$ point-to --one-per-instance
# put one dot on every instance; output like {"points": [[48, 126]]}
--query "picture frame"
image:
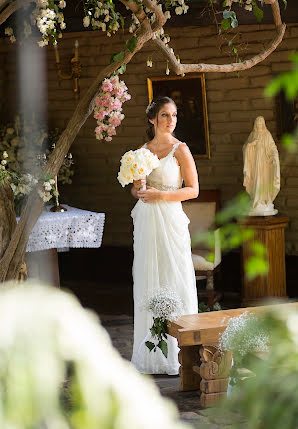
{"points": [[189, 94]]}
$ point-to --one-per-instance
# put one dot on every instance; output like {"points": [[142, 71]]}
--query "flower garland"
{"points": [[108, 107], [48, 19]]}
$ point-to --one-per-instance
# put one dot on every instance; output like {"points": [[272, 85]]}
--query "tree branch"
{"points": [[11, 8], [14, 254], [247, 64]]}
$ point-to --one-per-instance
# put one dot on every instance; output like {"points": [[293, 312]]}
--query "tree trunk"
{"points": [[7, 215]]}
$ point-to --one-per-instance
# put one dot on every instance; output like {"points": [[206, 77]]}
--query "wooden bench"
{"points": [[203, 366]]}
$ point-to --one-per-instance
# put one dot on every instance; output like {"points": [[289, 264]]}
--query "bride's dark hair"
{"points": [[152, 111]]}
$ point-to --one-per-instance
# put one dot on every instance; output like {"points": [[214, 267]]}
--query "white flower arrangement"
{"points": [[21, 143], [165, 306], [244, 335], [48, 19], [136, 165]]}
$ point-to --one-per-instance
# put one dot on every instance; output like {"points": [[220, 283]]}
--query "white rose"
{"points": [[248, 7], [8, 31], [62, 4], [5, 154], [167, 14], [3, 162], [179, 10], [86, 21], [62, 25]]}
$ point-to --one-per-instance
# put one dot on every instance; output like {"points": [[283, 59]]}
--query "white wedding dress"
{"points": [[162, 259]]}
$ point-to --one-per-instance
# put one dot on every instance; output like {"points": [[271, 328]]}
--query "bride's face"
{"points": [[166, 118]]}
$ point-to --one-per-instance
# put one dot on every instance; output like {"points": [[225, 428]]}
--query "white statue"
{"points": [[261, 169]]}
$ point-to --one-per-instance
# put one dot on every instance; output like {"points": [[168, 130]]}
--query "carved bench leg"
{"points": [[214, 371], [188, 357]]}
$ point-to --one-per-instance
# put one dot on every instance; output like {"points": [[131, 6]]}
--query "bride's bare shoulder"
{"points": [[182, 149]]}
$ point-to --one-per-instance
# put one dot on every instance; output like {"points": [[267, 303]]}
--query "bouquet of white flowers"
{"points": [[165, 305], [136, 164]]}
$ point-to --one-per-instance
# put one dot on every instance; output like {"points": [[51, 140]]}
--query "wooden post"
{"points": [[188, 357], [214, 371], [43, 265], [269, 230]]}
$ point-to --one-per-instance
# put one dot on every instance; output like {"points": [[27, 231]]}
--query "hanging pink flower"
{"points": [[113, 93], [107, 85]]}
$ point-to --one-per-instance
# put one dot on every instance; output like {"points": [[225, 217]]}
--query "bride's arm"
{"points": [[189, 175]]}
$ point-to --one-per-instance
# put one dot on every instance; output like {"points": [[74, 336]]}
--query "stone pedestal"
{"points": [[269, 231]]}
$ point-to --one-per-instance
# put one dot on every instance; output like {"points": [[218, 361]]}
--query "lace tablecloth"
{"points": [[73, 228]]}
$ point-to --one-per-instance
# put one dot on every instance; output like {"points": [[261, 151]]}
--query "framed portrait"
{"points": [[189, 94]]}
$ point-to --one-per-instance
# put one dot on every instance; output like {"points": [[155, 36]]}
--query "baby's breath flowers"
{"points": [[164, 305], [244, 336]]}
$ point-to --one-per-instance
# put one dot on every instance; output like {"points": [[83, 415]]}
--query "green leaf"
{"points": [[163, 347], [234, 23], [122, 69], [228, 14], [118, 57], [257, 12], [255, 266], [153, 331], [149, 345], [121, 21], [225, 23], [131, 44]]}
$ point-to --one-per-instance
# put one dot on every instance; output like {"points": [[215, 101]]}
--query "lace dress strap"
{"points": [[175, 147]]}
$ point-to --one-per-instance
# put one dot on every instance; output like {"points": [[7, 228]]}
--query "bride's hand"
{"points": [[139, 183], [150, 195]]}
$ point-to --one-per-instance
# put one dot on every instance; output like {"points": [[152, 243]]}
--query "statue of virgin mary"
{"points": [[261, 169]]}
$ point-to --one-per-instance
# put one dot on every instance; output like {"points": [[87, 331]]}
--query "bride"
{"points": [[162, 250]]}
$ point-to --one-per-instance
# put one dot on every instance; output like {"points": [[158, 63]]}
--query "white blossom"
{"points": [[62, 4], [86, 21], [248, 7], [165, 304], [8, 31], [167, 14]]}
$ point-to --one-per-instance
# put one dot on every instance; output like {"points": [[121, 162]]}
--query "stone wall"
{"points": [[233, 101]]}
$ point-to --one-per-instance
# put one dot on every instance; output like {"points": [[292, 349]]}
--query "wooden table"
{"points": [[203, 366]]}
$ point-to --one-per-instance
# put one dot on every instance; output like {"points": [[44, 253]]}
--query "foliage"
{"points": [[25, 142], [232, 234], [244, 336], [287, 82], [268, 398], [203, 308], [60, 371]]}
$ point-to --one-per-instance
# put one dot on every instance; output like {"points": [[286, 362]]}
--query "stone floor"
{"points": [[120, 329]]}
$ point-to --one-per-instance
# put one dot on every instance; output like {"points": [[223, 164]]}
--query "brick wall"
{"points": [[233, 104]]}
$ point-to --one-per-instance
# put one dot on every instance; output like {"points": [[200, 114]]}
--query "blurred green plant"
{"points": [[287, 82], [232, 234], [58, 369], [267, 399]]}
